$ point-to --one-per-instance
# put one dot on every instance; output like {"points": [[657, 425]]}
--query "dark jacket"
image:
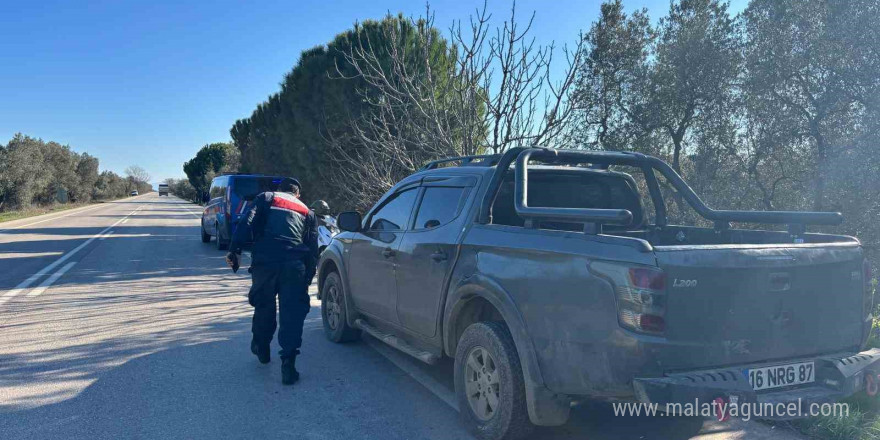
{"points": [[282, 227]]}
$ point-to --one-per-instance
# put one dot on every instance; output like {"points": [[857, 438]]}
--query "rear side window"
{"points": [[251, 186], [440, 205], [218, 187], [393, 215]]}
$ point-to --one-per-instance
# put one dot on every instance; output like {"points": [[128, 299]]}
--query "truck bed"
{"points": [[677, 236]]}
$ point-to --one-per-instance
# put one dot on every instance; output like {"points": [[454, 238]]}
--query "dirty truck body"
{"points": [[601, 297]]}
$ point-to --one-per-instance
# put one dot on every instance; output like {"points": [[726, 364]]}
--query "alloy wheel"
{"points": [[482, 384], [333, 308]]}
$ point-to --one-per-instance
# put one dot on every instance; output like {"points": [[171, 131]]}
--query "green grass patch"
{"points": [[863, 420], [39, 210]]}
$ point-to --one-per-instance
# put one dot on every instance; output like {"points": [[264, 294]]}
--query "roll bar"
{"points": [[594, 218], [464, 160]]}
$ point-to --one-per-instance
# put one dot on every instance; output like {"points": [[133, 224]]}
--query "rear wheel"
{"points": [[221, 245], [489, 383], [333, 311], [206, 237]]}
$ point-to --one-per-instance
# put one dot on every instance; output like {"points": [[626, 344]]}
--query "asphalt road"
{"points": [[117, 322]]}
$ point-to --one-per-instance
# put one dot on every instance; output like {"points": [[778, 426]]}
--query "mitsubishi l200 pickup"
{"points": [[552, 276]]}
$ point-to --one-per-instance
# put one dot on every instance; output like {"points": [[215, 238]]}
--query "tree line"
{"points": [[775, 108], [36, 172], [373, 105]]}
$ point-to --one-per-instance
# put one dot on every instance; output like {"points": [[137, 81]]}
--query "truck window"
{"points": [[649, 211], [440, 205], [570, 189], [393, 215]]}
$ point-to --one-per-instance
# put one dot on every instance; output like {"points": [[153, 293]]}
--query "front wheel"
{"points": [[489, 383], [206, 237], [221, 245], [333, 311]]}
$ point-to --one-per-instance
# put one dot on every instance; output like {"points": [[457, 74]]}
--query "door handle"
{"points": [[388, 253], [438, 256], [780, 282]]}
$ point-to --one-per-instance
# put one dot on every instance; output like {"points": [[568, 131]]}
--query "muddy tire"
{"points": [[333, 311], [489, 383]]}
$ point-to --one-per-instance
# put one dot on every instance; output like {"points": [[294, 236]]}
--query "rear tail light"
{"points": [[645, 278], [640, 294], [228, 201]]}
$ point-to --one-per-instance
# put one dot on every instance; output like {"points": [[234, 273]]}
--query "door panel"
{"points": [[214, 209], [425, 257], [373, 256], [371, 273]]}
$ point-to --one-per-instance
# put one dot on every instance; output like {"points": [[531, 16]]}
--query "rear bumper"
{"points": [[836, 377]]}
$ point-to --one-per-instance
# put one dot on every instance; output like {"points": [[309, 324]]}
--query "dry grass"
{"points": [[40, 210]]}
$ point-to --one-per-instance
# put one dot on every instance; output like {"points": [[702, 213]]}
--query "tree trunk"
{"points": [[676, 153], [821, 165]]}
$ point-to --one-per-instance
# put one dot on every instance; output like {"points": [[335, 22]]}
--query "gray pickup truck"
{"points": [[552, 276]]}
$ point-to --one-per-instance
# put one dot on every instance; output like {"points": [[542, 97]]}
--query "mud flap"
{"points": [[545, 407]]}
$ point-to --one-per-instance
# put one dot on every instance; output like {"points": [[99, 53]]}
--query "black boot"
{"points": [[262, 352], [289, 375]]}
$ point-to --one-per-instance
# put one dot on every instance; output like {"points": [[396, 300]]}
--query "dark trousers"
{"points": [[287, 281]]}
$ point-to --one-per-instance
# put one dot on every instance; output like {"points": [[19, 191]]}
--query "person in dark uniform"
{"points": [[283, 261]]}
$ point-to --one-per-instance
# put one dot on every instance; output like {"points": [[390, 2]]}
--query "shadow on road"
{"points": [[149, 339], [204, 383]]}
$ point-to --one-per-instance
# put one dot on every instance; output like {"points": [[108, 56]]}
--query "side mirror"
{"points": [[320, 207], [349, 221], [206, 197]]}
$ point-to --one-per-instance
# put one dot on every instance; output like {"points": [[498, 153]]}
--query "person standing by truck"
{"points": [[284, 257]]}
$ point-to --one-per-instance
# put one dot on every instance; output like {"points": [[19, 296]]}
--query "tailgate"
{"points": [[734, 305]]}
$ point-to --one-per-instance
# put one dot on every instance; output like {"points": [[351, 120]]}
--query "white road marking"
{"points": [[126, 220], [194, 214], [51, 280], [28, 254], [418, 375], [31, 279], [106, 235]]}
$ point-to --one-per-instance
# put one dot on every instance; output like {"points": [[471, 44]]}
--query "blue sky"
{"points": [[150, 82]]}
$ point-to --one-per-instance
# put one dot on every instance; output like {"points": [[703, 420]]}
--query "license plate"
{"points": [[777, 376]]}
